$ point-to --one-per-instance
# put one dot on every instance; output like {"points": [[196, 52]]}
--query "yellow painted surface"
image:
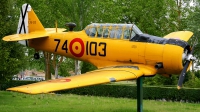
{"points": [[32, 35], [172, 59], [34, 23], [154, 52], [105, 75], [102, 53], [182, 35], [17, 37]]}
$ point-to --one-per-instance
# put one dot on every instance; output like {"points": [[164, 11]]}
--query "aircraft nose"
{"points": [[186, 47]]}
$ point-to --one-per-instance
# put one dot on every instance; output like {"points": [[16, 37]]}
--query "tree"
{"points": [[12, 54], [67, 67], [87, 67], [56, 64], [47, 60], [193, 22]]}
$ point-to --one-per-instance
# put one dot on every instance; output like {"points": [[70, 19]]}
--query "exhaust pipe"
{"points": [[159, 65]]}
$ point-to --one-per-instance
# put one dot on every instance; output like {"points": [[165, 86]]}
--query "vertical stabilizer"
{"points": [[28, 22]]}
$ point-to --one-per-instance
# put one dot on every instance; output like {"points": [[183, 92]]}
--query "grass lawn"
{"points": [[19, 102]]}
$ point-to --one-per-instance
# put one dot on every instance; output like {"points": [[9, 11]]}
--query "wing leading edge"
{"points": [[33, 35], [100, 76], [18, 37]]}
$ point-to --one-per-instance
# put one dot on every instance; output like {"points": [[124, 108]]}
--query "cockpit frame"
{"points": [[112, 31], [128, 32]]}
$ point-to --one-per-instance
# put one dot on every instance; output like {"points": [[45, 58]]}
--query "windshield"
{"points": [[136, 29]]}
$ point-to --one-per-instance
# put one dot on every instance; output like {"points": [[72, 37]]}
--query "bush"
{"points": [[193, 83], [151, 93], [127, 91], [14, 83], [158, 80], [192, 79]]}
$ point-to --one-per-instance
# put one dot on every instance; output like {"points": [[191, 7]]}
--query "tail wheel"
{"points": [[36, 56]]}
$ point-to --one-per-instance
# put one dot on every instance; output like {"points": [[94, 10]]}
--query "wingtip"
{"points": [[178, 87], [10, 89], [9, 38], [5, 39]]}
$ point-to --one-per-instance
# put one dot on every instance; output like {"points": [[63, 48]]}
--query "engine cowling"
{"points": [[174, 56]]}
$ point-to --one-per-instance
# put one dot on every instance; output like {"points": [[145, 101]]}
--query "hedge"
{"points": [[14, 83], [127, 91], [151, 93]]}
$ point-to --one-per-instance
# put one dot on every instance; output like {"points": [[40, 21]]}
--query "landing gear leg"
{"points": [[139, 94], [36, 55]]}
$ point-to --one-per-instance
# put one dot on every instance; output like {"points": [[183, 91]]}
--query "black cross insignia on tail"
{"points": [[23, 17]]}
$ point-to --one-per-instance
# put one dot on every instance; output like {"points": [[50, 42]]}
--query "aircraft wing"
{"points": [[182, 35], [105, 75], [32, 35]]}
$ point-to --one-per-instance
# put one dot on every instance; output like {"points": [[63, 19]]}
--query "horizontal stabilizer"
{"points": [[182, 35], [55, 30], [18, 37], [33, 35]]}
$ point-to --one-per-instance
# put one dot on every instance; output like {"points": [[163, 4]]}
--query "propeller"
{"points": [[188, 58]]}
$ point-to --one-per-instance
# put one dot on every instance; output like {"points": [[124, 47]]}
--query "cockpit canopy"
{"points": [[121, 31], [114, 31]]}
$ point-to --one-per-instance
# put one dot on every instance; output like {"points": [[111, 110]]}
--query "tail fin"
{"points": [[30, 27], [28, 21]]}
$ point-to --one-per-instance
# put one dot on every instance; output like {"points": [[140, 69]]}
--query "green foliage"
{"points": [[14, 83], [151, 93], [192, 79], [11, 60], [152, 17], [37, 64], [193, 21], [87, 67], [12, 56], [193, 83], [197, 73], [158, 80], [66, 67]]}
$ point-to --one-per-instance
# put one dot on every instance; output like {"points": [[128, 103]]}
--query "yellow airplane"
{"points": [[120, 51]]}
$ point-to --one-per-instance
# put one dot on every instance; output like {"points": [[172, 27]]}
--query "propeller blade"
{"points": [[183, 72], [182, 76]]}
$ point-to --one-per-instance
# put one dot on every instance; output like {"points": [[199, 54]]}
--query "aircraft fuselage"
{"points": [[114, 51]]}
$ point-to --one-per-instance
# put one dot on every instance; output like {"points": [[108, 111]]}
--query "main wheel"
{"points": [[36, 56]]}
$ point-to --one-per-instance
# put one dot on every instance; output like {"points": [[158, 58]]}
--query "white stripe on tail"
{"points": [[28, 22]]}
